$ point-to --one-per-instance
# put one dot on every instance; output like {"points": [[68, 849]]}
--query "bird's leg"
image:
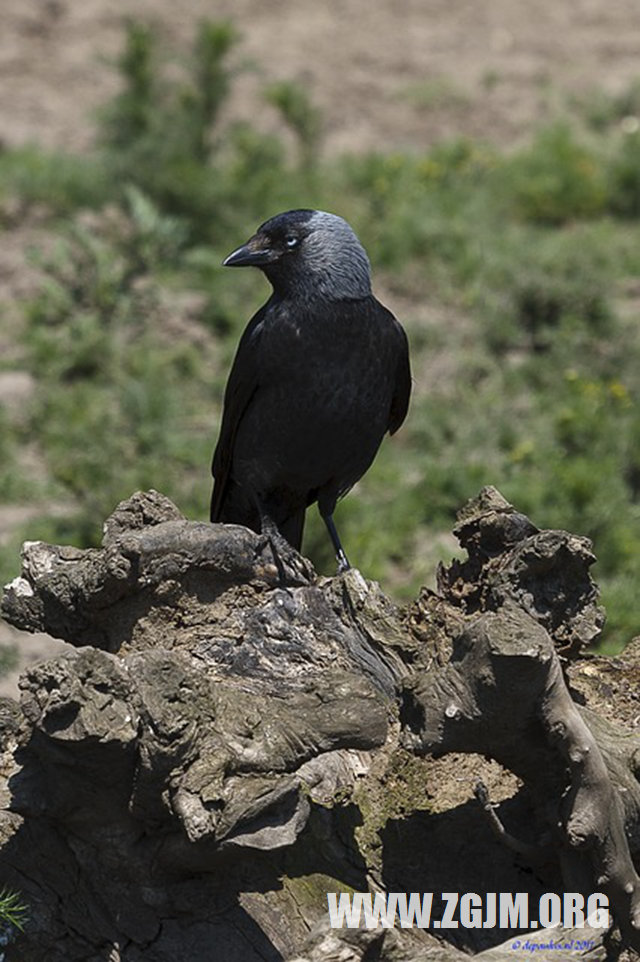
{"points": [[341, 558]]}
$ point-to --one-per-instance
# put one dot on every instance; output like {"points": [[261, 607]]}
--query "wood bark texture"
{"points": [[229, 737]]}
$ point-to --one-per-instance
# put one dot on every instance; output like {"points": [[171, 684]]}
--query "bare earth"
{"points": [[490, 69], [387, 74]]}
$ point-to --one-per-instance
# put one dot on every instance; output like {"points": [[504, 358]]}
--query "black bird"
{"points": [[320, 375]]}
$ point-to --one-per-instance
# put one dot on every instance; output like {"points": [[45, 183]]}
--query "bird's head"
{"points": [[308, 253]]}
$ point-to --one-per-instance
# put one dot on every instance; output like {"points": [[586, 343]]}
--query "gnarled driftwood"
{"points": [[232, 737]]}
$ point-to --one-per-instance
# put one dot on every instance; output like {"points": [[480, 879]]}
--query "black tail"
{"points": [[234, 507], [237, 507], [292, 529]]}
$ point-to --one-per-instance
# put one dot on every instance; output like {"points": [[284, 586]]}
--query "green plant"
{"points": [[13, 911], [536, 285], [114, 395], [9, 661], [603, 109], [130, 116], [210, 83], [624, 177], [556, 179], [298, 112], [12, 483], [158, 133], [58, 182]]}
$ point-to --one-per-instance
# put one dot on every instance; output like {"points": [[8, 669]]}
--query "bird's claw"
{"points": [[293, 568]]}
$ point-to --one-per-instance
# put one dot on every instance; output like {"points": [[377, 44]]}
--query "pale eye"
{"points": [[291, 241]]}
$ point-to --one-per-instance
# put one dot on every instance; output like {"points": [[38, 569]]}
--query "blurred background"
{"points": [[488, 155]]}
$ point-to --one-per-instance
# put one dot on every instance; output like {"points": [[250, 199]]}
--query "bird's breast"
{"points": [[322, 351], [322, 403]]}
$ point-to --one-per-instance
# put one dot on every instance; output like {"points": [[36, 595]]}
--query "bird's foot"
{"points": [[293, 569], [343, 562]]}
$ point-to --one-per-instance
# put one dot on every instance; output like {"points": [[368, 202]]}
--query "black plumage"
{"points": [[320, 375]]}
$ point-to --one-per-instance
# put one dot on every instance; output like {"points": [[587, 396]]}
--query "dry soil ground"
{"points": [[386, 73]]}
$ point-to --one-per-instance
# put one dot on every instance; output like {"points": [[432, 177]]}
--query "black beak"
{"points": [[254, 253]]}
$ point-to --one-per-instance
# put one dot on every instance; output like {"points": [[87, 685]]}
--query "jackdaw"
{"points": [[320, 375]]}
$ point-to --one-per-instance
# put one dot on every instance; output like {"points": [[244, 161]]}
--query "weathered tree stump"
{"points": [[232, 737]]}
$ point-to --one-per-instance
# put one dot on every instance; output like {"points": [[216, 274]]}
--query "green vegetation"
{"points": [[513, 274], [13, 911], [9, 659]]}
